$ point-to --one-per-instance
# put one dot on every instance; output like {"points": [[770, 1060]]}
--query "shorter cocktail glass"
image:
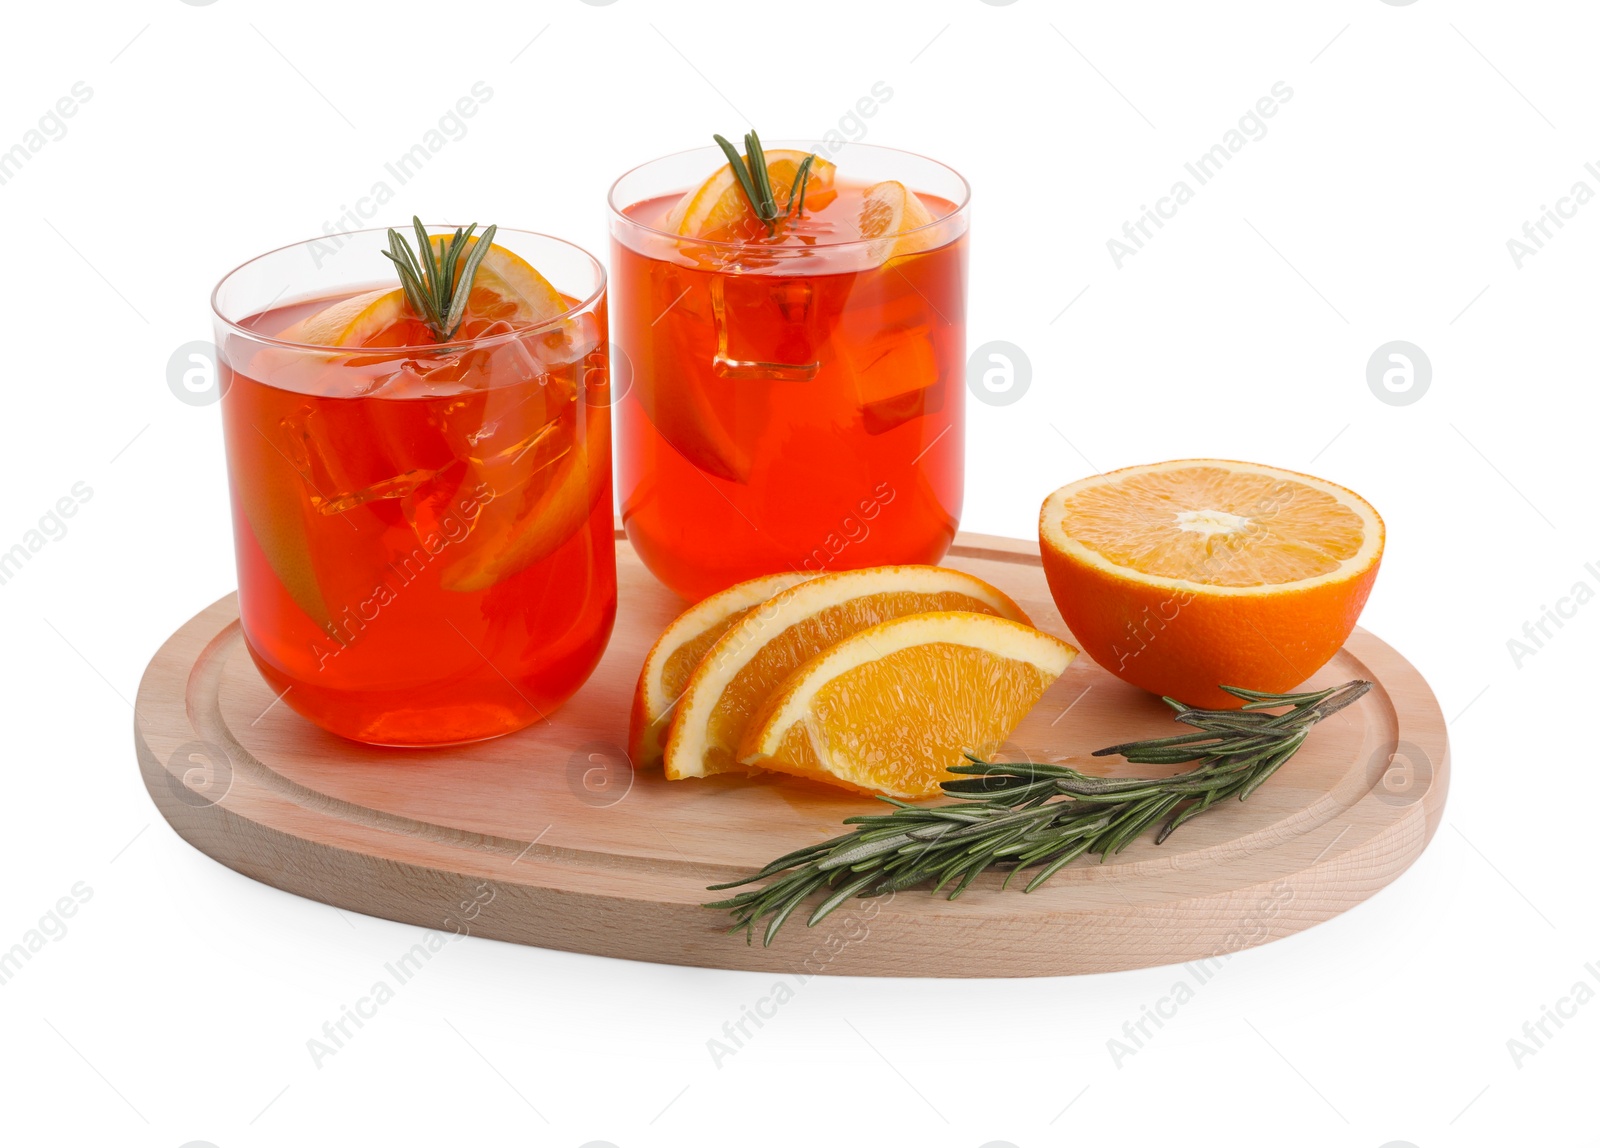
{"points": [[423, 528]]}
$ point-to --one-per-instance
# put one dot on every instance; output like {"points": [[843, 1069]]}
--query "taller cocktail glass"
{"points": [[796, 391], [421, 502]]}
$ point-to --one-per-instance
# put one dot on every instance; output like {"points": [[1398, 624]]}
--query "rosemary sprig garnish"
{"points": [[1021, 815], [429, 276], [750, 170]]}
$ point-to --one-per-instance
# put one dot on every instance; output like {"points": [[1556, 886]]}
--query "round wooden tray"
{"points": [[548, 837]]}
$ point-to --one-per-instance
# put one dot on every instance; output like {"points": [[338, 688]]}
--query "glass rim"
{"points": [[584, 304], [619, 213]]}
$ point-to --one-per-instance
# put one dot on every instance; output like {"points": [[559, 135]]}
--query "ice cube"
{"points": [[406, 430], [678, 292], [764, 328], [331, 445]]}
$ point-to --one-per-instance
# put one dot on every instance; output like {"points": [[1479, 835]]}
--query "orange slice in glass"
{"points": [[505, 290], [354, 322], [892, 708], [276, 503], [892, 216], [718, 209], [513, 533], [754, 657]]}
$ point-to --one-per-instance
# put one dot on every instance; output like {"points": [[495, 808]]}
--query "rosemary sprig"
{"points": [[1022, 815], [437, 294], [750, 170]]}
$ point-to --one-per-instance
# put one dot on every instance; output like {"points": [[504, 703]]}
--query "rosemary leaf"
{"points": [[751, 174], [469, 271], [801, 177], [437, 280]]}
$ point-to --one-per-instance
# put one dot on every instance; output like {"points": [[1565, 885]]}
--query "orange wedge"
{"points": [[678, 651], [892, 708], [718, 209], [1180, 577], [756, 654], [891, 215]]}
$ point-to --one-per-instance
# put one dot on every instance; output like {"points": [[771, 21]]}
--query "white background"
{"points": [[1378, 206]]}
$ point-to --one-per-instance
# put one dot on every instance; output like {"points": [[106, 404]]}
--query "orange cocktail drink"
{"points": [[796, 390]]}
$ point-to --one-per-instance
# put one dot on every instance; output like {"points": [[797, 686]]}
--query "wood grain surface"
{"points": [[548, 837]]}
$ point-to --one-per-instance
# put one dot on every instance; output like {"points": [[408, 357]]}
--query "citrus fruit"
{"points": [[506, 287], [697, 422], [891, 215], [764, 647], [351, 322], [678, 651], [560, 478], [505, 290], [1184, 576], [272, 496], [892, 708], [718, 208]]}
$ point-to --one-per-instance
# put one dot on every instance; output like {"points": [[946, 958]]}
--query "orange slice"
{"points": [[512, 533], [678, 651], [718, 207], [1180, 577], [506, 289], [272, 495], [708, 425], [352, 322], [892, 708], [754, 657], [891, 215]]}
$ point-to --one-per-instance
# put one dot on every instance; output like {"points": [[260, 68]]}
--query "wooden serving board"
{"points": [[548, 837]]}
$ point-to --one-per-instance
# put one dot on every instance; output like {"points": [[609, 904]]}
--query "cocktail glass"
{"points": [[424, 531]]}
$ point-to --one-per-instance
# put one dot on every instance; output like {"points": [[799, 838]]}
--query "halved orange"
{"points": [[892, 708], [756, 654], [678, 651], [718, 208], [1184, 576]]}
